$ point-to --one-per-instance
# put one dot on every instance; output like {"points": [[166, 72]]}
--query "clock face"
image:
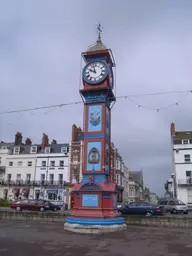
{"points": [[95, 72]]}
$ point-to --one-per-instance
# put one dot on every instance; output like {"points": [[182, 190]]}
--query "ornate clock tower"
{"points": [[95, 198]]}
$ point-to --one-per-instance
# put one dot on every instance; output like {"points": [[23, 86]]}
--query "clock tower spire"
{"points": [[95, 198]]}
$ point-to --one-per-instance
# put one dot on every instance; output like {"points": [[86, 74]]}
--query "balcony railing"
{"points": [[185, 182], [30, 183]]}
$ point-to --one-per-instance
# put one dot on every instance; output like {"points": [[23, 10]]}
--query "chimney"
{"points": [[18, 138], [172, 129], [74, 132], [28, 141], [45, 141], [54, 142]]}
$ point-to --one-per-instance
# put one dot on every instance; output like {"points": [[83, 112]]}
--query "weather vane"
{"points": [[99, 31]]}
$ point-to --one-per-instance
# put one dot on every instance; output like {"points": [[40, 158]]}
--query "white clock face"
{"points": [[95, 72]]}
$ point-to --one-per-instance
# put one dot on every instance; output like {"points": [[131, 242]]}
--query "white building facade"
{"points": [[34, 171], [51, 172], [182, 165]]}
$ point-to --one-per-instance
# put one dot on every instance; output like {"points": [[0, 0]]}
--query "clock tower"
{"points": [[95, 198]]}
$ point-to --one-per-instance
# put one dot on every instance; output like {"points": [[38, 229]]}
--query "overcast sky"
{"points": [[40, 62]]}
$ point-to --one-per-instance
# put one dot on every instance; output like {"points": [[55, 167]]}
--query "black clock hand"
{"points": [[92, 70]]}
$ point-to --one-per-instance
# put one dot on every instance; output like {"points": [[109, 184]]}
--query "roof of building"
{"points": [[179, 135], [26, 149], [183, 135], [137, 176]]}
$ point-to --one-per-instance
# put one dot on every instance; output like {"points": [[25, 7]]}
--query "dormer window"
{"points": [[33, 149], [4, 147], [16, 150], [47, 150], [64, 150], [185, 141]]}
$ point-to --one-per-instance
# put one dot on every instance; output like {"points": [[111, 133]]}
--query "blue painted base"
{"points": [[104, 222]]}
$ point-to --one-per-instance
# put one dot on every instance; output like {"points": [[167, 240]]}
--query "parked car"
{"points": [[141, 208], [174, 206], [34, 205]]}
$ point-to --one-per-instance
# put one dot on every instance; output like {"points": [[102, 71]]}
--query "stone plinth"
{"points": [[94, 226], [93, 229]]}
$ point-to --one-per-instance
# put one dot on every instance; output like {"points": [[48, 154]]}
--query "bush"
{"points": [[4, 203]]}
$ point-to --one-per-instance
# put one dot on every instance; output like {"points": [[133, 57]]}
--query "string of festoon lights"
{"points": [[48, 109]]}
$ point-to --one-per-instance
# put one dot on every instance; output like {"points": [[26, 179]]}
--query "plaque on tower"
{"points": [[90, 200]]}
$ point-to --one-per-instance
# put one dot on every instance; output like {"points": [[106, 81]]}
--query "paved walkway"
{"points": [[34, 238]]}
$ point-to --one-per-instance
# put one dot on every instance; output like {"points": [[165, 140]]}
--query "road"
{"points": [[36, 238]]}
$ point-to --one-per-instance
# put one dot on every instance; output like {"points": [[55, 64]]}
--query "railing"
{"points": [[29, 183], [186, 182]]}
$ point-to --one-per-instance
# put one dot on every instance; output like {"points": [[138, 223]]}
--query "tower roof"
{"points": [[98, 46]]}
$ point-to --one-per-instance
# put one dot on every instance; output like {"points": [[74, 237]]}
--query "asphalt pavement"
{"points": [[36, 238]]}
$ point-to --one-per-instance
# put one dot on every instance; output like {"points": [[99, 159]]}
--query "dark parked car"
{"points": [[34, 205], [141, 208]]}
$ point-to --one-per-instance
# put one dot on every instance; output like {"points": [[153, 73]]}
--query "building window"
{"points": [[16, 150], [187, 158], [28, 177], [10, 163], [189, 177], [64, 150], [51, 178], [29, 163], [19, 163], [117, 178], [43, 163], [9, 177], [185, 141], [42, 177], [61, 163], [33, 149], [118, 165], [60, 179], [52, 164], [47, 150], [131, 192], [18, 178]]}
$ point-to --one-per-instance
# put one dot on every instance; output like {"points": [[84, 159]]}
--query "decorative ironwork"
{"points": [[28, 183]]}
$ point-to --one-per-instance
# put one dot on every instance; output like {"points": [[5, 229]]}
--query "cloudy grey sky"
{"points": [[40, 51]]}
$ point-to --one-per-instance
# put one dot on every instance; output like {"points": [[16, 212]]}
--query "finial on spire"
{"points": [[99, 31]]}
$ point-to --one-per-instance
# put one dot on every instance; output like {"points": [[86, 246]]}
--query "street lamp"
{"points": [[174, 185]]}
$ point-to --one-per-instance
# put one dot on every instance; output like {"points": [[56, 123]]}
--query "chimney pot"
{"points": [[54, 142], [18, 138], [74, 132], [28, 141], [45, 141]]}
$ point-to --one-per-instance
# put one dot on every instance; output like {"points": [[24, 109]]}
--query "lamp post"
{"points": [[174, 185]]}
